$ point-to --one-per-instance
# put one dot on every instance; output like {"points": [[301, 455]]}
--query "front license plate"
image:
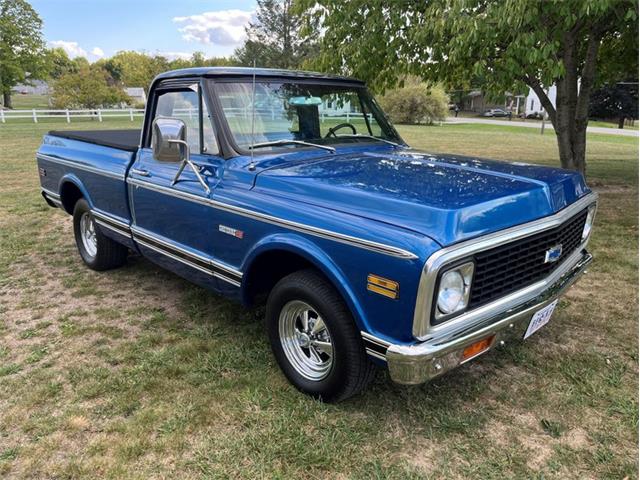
{"points": [[540, 319]]}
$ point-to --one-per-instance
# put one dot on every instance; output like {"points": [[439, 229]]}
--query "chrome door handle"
{"points": [[142, 173]]}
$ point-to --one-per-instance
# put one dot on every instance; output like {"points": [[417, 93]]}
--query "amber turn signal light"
{"points": [[477, 348]]}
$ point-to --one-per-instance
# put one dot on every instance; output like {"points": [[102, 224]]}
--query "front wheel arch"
{"points": [[308, 255]]}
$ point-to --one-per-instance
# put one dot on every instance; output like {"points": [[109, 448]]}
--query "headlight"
{"points": [[586, 231], [453, 289]]}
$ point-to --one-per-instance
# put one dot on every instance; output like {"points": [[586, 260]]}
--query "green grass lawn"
{"points": [[30, 101], [136, 373]]}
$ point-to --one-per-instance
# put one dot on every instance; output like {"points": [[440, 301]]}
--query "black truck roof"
{"points": [[247, 71]]}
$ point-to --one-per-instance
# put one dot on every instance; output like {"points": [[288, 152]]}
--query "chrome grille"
{"points": [[515, 265]]}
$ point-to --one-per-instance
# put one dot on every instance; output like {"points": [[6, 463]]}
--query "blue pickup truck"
{"points": [[294, 189]]}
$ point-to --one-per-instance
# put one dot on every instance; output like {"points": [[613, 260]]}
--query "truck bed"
{"points": [[121, 139]]}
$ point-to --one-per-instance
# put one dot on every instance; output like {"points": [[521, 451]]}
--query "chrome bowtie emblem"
{"points": [[553, 254]]}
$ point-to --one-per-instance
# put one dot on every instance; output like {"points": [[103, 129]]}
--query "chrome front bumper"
{"points": [[420, 362]]}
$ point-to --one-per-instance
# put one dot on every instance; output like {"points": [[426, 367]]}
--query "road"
{"points": [[519, 123]]}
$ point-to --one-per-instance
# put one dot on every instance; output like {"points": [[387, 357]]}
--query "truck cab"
{"points": [[294, 189]]}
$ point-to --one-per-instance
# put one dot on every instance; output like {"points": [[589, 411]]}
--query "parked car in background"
{"points": [[495, 112], [533, 116], [364, 250]]}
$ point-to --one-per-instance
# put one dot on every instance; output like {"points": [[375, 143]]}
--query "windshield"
{"points": [[316, 113]]}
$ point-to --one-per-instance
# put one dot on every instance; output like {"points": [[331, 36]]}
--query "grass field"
{"points": [[30, 101], [136, 373]]}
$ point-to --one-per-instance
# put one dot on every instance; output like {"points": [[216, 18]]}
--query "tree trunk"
{"points": [[7, 100], [570, 114], [621, 121]]}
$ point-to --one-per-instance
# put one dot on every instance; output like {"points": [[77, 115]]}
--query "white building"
{"points": [[137, 94], [533, 104], [35, 87]]}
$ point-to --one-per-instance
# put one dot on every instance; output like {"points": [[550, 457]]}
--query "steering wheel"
{"points": [[333, 130]]}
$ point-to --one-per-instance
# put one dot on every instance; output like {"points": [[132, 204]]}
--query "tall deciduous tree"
{"points": [[59, 63], [22, 49], [274, 39], [134, 69], [571, 43]]}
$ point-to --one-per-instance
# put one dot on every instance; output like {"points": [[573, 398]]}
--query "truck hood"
{"points": [[448, 198]]}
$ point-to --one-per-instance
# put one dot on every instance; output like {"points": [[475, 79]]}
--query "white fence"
{"points": [[278, 113], [131, 113], [97, 113]]}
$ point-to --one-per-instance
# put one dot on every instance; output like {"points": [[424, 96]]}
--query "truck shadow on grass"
{"points": [[230, 344]]}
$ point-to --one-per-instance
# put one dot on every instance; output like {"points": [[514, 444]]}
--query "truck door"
{"points": [[173, 222]]}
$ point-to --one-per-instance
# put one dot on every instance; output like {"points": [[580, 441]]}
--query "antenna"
{"points": [[252, 165]]}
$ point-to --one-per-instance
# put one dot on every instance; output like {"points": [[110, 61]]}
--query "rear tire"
{"points": [[314, 338], [97, 251]]}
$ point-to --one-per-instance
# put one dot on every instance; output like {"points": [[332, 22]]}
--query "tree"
{"points": [[573, 44], [88, 88], [22, 49], [274, 39], [59, 63], [619, 101], [135, 69]]}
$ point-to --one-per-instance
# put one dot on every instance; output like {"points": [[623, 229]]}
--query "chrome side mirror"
{"points": [[169, 144], [169, 140]]}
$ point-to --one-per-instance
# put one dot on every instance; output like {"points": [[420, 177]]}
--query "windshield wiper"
{"points": [[371, 137], [276, 143]]}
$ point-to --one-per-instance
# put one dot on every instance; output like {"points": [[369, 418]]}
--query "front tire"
{"points": [[314, 338], [97, 251]]}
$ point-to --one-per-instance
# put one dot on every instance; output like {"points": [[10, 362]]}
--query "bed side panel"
{"points": [[98, 171]]}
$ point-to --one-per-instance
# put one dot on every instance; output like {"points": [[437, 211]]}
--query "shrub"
{"points": [[416, 103]]}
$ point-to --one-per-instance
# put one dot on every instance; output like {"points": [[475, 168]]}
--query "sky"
{"points": [[100, 28]]}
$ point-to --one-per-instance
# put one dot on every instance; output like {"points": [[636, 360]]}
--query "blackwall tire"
{"points": [[98, 252], [323, 356]]}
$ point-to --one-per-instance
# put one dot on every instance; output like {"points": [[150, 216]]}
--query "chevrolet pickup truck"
{"points": [[294, 189]]}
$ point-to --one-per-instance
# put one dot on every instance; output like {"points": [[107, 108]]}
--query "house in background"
{"points": [[137, 94], [533, 106], [36, 87], [476, 101]]}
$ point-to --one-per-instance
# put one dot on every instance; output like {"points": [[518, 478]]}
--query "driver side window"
{"points": [[184, 105]]}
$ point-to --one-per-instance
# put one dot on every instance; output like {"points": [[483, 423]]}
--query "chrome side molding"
{"points": [[79, 166], [204, 264], [299, 227]]}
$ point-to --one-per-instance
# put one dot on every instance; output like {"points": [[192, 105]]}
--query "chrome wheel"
{"points": [[306, 340], [88, 234]]}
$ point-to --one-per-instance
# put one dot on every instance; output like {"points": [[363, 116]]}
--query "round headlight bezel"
{"points": [[464, 270], [588, 223], [451, 291]]}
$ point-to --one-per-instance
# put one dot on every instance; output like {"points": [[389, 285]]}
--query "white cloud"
{"points": [[223, 27], [175, 55], [72, 48]]}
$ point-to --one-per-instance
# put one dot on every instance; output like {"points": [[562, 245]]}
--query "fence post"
{"points": [[2, 114], [35, 116], [68, 116], [131, 114]]}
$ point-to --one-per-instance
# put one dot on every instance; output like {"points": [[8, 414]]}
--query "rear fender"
{"points": [[73, 179]]}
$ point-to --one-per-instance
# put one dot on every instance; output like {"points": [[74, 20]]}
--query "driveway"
{"points": [[535, 124]]}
